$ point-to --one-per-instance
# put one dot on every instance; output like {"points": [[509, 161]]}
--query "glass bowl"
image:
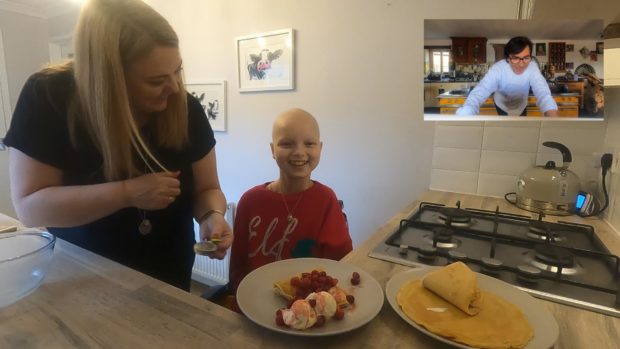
{"points": [[24, 258]]}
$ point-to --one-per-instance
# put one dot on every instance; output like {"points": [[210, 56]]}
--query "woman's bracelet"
{"points": [[208, 214]]}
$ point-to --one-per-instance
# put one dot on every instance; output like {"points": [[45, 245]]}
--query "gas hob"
{"points": [[562, 262]]}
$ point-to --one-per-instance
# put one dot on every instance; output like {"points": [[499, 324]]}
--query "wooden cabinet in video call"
{"points": [[466, 50], [557, 55]]}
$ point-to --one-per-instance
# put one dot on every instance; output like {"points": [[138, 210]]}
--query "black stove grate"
{"points": [[545, 248]]}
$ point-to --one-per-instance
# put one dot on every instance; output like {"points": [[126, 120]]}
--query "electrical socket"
{"points": [[596, 159], [615, 165]]}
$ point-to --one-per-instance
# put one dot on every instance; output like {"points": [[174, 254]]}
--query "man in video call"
{"points": [[510, 80]]}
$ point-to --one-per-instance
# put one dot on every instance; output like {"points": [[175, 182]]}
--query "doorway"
{"points": [[5, 106], [6, 206]]}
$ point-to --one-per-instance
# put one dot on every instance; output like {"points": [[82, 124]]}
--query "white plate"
{"points": [[259, 302], [545, 327]]}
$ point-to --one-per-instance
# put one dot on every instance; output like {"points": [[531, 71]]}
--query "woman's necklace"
{"points": [[145, 226]]}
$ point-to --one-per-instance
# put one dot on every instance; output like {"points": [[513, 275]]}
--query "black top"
{"points": [[39, 128]]}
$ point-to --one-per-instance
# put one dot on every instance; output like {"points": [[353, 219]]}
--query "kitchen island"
{"points": [[87, 301], [450, 101]]}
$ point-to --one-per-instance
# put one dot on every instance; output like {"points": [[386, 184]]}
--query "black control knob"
{"points": [[456, 256], [491, 265], [528, 273], [427, 253]]}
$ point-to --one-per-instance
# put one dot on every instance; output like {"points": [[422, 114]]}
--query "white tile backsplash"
{"points": [[505, 163], [486, 160], [461, 123], [575, 125], [579, 140], [455, 181], [521, 123], [463, 137], [456, 159], [521, 139], [496, 185], [614, 213]]}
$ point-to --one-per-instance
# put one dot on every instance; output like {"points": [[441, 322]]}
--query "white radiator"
{"points": [[213, 271]]}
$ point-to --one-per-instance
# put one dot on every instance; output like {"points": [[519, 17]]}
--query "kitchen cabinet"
{"points": [[568, 106], [466, 50], [427, 95], [574, 86], [449, 105], [477, 48], [459, 50], [437, 88]]}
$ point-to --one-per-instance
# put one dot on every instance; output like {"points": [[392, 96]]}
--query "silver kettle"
{"points": [[549, 189]]}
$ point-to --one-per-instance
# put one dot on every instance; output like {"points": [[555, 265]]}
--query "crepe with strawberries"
{"points": [[301, 285]]}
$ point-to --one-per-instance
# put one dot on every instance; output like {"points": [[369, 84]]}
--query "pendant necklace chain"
{"points": [[289, 217], [145, 226]]}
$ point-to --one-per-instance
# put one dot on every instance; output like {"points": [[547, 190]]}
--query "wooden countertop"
{"points": [[87, 301]]}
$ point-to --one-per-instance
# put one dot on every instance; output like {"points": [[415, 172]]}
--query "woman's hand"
{"points": [[215, 226], [153, 191]]}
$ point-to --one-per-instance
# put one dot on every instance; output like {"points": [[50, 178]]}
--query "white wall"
{"points": [[612, 144], [25, 46], [64, 24], [606, 10], [359, 71]]}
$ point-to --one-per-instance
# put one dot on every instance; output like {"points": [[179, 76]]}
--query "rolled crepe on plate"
{"points": [[457, 284], [498, 325]]}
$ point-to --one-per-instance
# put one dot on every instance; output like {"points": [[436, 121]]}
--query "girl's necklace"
{"points": [[289, 216]]}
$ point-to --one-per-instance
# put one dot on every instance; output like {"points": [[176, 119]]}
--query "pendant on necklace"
{"points": [[289, 218], [145, 227]]}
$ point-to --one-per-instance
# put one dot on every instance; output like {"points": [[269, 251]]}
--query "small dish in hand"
{"points": [[205, 247]]}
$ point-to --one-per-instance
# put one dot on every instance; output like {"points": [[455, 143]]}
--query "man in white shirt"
{"points": [[510, 81]]}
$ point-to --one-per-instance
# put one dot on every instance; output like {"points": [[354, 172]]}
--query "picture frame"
{"points": [[265, 61], [600, 47], [541, 49], [570, 47], [212, 96]]}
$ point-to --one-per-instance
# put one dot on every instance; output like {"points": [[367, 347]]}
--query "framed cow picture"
{"points": [[265, 61], [212, 97]]}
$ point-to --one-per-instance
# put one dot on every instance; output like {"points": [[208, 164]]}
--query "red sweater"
{"points": [[263, 233]]}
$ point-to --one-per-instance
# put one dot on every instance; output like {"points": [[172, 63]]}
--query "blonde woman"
{"points": [[112, 154]]}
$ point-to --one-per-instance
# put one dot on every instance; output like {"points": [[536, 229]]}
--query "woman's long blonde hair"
{"points": [[110, 35]]}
